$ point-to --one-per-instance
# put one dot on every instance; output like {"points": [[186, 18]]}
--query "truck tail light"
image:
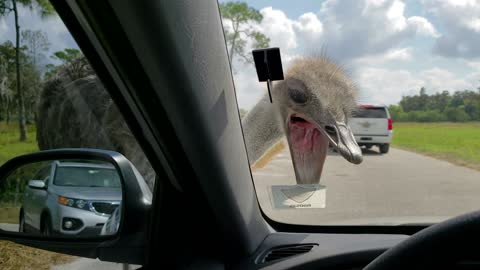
{"points": [[390, 124]]}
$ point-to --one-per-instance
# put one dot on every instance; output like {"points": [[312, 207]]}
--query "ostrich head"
{"points": [[314, 102]]}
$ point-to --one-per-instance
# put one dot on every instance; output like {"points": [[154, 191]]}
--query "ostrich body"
{"points": [[75, 110], [310, 107]]}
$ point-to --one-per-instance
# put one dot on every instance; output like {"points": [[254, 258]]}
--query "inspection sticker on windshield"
{"points": [[298, 196]]}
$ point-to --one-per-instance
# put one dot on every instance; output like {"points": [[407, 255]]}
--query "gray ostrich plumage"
{"points": [[75, 110], [311, 107]]}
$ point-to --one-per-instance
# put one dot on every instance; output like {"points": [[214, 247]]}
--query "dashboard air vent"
{"points": [[283, 252]]}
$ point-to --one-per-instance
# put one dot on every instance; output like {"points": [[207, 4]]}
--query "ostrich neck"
{"points": [[261, 128]]}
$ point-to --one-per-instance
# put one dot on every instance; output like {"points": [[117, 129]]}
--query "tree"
{"points": [[73, 61], [457, 114], [5, 92], [67, 56], [37, 43], [240, 16], [7, 78], [29, 74], [7, 6]]}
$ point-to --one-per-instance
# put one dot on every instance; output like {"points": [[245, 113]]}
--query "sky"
{"points": [[51, 26], [390, 48]]}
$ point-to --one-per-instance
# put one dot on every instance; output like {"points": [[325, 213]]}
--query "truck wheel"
{"points": [[384, 148]]}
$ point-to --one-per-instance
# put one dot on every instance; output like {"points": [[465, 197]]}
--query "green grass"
{"points": [[15, 256], [458, 143], [10, 146], [9, 214]]}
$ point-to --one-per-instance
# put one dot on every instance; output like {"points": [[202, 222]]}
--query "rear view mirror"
{"points": [[75, 194], [38, 184], [72, 198]]}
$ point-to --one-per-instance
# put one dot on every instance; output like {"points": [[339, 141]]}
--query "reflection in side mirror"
{"points": [[62, 198], [38, 184]]}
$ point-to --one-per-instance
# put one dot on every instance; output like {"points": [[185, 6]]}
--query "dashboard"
{"points": [[329, 251]]}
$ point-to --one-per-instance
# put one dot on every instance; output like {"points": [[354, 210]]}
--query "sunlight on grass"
{"points": [[10, 146], [458, 143]]}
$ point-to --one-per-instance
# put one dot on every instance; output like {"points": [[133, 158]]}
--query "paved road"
{"points": [[9, 227], [90, 264], [399, 187]]}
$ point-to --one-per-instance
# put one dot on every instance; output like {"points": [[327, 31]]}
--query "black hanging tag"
{"points": [[269, 66]]}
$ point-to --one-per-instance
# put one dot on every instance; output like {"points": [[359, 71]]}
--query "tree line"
{"points": [[32, 74], [461, 106]]}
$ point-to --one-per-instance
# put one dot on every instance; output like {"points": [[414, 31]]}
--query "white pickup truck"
{"points": [[372, 125]]}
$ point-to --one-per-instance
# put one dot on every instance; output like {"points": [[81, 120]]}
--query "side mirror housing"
{"points": [[123, 239], [36, 184]]}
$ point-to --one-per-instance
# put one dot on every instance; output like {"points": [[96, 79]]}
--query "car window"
{"points": [[310, 165], [97, 177], [43, 174], [364, 112], [55, 101]]}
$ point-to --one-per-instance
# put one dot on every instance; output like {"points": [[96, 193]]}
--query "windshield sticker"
{"points": [[298, 196]]}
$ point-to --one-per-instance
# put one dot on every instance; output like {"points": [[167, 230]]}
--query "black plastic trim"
{"points": [[408, 229]]}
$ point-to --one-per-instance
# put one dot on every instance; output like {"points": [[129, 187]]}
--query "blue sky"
{"points": [[52, 26], [390, 47]]}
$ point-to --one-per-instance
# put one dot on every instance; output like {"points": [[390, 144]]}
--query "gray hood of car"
{"points": [[89, 193]]}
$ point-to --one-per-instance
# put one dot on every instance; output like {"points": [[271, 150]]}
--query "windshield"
{"points": [[87, 177], [318, 155]]}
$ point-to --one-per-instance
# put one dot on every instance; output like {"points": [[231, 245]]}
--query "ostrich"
{"points": [[310, 107], [76, 103]]}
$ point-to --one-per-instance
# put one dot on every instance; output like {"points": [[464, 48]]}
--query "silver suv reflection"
{"points": [[70, 198]]}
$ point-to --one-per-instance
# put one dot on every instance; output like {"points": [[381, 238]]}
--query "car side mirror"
{"points": [[97, 204], [36, 184]]}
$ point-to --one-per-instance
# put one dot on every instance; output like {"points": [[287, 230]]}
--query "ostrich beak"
{"points": [[308, 140], [341, 137]]}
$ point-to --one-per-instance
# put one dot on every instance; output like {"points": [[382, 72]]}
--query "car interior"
{"points": [[166, 66]]}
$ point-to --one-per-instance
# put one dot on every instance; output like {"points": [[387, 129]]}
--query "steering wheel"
{"points": [[437, 245]]}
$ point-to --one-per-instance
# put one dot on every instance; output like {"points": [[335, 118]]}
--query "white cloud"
{"points": [[279, 28], [383, 86], [395, 15], [378, 28], [461, 23], [249, 89], [437, 79], [392, 55], [422, 26], [474, 25], [475, 65], [309, 23], [380, 85]]}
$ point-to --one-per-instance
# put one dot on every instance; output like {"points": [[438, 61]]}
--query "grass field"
{"points": [[9, 141], [14, 256], [458, 143]]}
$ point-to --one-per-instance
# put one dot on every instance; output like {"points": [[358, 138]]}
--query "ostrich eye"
{"points": [[298, 96]]}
